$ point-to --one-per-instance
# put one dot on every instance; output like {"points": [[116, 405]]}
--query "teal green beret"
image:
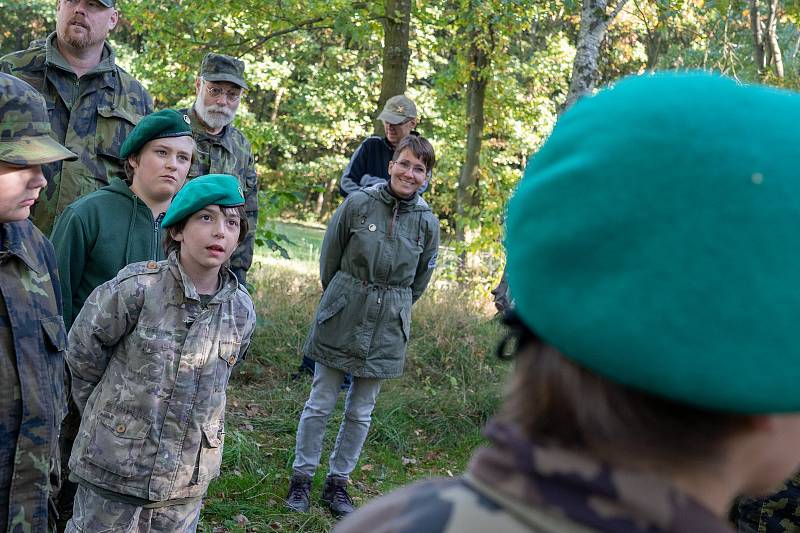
{"points": [[655, 239], [212, 189], [158, 125]]}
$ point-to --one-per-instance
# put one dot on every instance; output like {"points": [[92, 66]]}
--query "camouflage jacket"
{"points": [[229, 153], [90, 115], [777, 513], [149, 370], [519, 487], [32, 340], [377, 257]]}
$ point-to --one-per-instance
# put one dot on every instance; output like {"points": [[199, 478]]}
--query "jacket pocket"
{"points": [[118, 439], [55, 340], [330, 310], [405, 323], [228, 356], [210, 452], [113, 126]]}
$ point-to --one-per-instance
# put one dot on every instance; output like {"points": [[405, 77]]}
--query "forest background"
{"points": [[490, 78]]}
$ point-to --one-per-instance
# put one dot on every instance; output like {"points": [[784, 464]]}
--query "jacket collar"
{"points": [[381, 192], [228, 286], [199, 132], [16, 239], [53, 58], [586, 491]]}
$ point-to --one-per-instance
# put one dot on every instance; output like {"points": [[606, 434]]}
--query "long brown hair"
{"points": [[553, 399]]}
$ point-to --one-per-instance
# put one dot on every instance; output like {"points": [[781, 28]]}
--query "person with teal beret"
{"points": [[150, 354], [100, 233], [654, 257]]}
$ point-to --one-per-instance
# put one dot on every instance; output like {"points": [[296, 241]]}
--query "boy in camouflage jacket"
{"points": [[32, 336], [150, 356]]}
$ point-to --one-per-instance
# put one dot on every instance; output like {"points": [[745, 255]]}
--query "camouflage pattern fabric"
{"points": [[91, 116], [149, 367], [516, 486], [229, 153], [93, 512], [777, 513], [32, 340]]}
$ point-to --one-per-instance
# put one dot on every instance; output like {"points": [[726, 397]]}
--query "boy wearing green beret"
{"points": [[150, 355], [100, 233]]}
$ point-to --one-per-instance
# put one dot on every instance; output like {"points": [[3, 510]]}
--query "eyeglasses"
{"points": [[417, 170], [232, 95]]}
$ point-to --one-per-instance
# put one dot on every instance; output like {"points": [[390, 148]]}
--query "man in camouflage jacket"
{"points": [[93, 104], [32, 335], [222, 148]]}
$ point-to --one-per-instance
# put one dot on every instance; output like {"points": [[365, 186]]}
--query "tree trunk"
{"points": [[396, 28], [468, 195], [772, 38], [758, 37], [594, 23]]}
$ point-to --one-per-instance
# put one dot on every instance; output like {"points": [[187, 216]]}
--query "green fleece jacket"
{"points": [[99, 234]]}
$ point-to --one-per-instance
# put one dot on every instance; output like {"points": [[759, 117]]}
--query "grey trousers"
{"points": [[321, 402], [93, 513]]}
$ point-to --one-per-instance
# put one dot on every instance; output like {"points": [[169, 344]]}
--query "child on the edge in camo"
{"points": [[377, 258], [150, 355]]}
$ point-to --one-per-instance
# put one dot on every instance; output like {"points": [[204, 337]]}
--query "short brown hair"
{"points": [[553, 399], [420, 147], [126, 165], [171, 245]]}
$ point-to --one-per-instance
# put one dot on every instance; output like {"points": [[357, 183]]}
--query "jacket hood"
{"points": [[381, 192]]}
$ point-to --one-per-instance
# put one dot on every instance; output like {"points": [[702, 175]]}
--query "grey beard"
{"points": [[212, 118]]}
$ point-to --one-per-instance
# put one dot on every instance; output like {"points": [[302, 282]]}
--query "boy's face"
{"points": [[162, 168], [208, 239], [19, 188], [407, 174]]}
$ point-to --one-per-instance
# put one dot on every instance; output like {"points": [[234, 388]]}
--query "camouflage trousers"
{"points": [[94, 513]]}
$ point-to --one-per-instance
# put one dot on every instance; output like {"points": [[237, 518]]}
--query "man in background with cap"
{"points": [[92, 103], [370, 162], [32, 335], [222, 148]]}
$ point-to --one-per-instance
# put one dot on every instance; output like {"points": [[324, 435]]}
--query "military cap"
{"points": [[158, 125], [398, 109], [654, 240], [108, 3], [212, 189], [25, 127], [219, 67]]}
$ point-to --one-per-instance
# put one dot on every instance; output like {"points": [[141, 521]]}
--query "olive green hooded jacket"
{"points": [[377, 258]]}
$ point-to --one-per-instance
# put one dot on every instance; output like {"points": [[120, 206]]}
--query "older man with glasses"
{"points": [[222, 148]]}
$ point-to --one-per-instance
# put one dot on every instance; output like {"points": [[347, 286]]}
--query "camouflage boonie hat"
{"points": [[219, 67], [398, 109], [25, 127]]}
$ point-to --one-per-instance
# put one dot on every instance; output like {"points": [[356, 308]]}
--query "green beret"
{"points": [[212, 189], [654, 240], [158, 125]]}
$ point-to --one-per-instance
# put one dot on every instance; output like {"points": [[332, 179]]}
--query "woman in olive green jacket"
{"points": [[377, 258]]}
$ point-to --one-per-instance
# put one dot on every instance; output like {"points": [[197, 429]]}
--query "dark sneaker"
{"points": [[299, 493], [335, 497]]}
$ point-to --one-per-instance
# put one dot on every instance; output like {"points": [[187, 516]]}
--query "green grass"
{"points": [[425, 424]]}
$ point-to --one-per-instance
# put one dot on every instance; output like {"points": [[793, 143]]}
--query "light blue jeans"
{"points": [[321, 402]]}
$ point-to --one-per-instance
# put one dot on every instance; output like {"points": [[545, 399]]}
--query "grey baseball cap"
{"points": [[398, 109]]}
